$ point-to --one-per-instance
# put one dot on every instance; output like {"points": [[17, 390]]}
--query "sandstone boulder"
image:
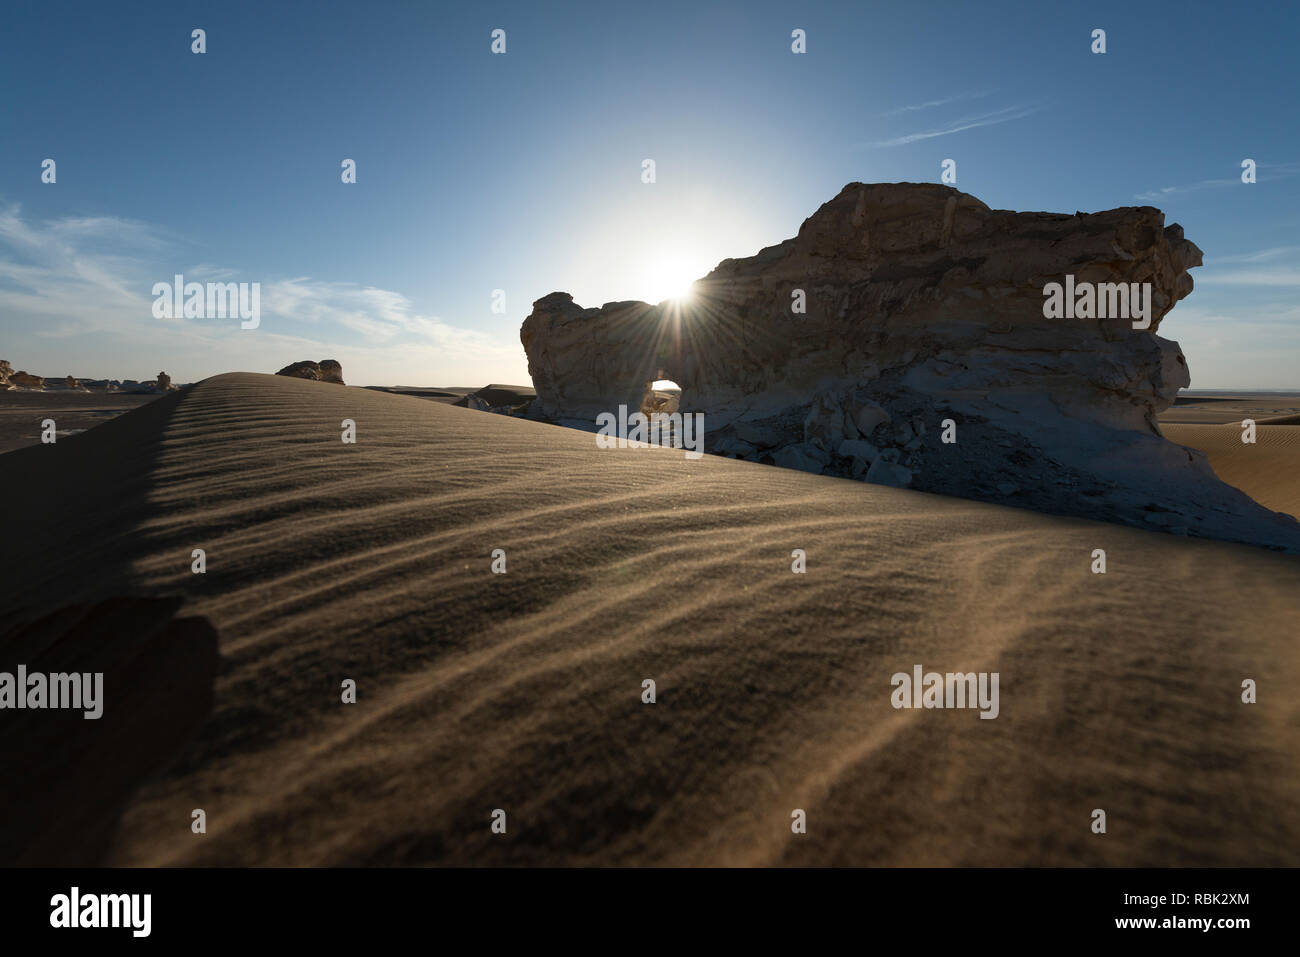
{"points": [[327, 370], [923, 317]]}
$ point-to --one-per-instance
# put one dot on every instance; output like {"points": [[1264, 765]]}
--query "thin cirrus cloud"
{"points": [[69, 274], [1259, 256], [1253, 277], [1274, 266], [1265, 172], [993, 118], [930, 104], [75, 276], [378, 315]]}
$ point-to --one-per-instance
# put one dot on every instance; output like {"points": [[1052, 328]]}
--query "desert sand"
{"points": [[522, 691], [1267, 470]]}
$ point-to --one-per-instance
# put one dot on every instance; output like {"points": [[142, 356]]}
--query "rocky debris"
{"points": [[885, 472], [911, 317], [327, 370], [807, 458]]}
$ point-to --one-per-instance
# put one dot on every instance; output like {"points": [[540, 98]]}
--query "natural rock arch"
{"points": [[923, 306]]}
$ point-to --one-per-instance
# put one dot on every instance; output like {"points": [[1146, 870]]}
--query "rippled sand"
{"points": [[522, 691]]}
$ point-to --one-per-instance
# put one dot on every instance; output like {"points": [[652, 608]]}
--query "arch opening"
{"points": [[663, 396]]}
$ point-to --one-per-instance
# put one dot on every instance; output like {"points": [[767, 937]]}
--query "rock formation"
{"points": [[902, 337], [512, 400], [327, 370], [164, 382], [6, 370], [331, 371], [24, 381]]}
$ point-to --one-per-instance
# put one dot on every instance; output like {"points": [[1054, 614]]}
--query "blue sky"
{"points": [[522, 171]]}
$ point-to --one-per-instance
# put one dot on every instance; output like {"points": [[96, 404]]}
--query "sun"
{"points": [[670, 277]]}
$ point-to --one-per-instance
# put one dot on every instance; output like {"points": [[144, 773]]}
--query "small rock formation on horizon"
{"points": [[327, 370], [10, 380], [24, 381], [502, 399], [923, 319]]}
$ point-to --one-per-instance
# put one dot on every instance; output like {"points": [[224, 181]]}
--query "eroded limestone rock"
{"points": [[923, 321], [327, 370], [24, 381]]}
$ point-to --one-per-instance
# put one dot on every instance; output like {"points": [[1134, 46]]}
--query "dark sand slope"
{"points": [[66, 777], [522, 691]]}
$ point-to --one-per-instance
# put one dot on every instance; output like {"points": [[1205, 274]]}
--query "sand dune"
{"points": [[1268, 470], [522, 691]]}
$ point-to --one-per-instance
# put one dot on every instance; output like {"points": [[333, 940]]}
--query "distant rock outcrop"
{"points": [[24, 381], [503, 399], [902, 337], [327, 370]]}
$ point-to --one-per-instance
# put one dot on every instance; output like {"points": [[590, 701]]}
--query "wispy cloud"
{"points": [[380, 315], [1004, 115], [1262, 255], [1257, 277], [1264, 172], [930, 104], [79, 280], [71, 273], [1273, 266]]}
